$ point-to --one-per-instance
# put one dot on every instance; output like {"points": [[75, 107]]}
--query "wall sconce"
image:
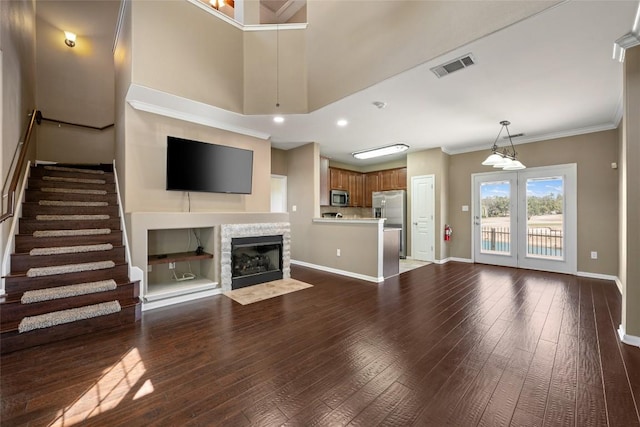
{"points": [[69, 38]]}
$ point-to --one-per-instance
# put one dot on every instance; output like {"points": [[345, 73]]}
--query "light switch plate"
{"points": [[465, 208]]}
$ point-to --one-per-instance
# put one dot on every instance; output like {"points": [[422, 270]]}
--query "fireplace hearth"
{"points": [[255, 260]]}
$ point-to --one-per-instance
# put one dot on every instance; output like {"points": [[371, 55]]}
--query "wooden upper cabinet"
{"points": [[324, 181], [393, 179], [371, 184], [338, 178], [356, 189]]}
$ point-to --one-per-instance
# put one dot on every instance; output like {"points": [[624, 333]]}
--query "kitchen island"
{"points": [[353, 247]]}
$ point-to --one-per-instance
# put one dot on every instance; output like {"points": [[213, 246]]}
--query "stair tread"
{"points": [[12, 326], [14, 298], [24, 274], [64, 246]]}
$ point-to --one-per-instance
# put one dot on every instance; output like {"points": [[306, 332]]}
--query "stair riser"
{"points": [[25, 242], [12, 341], [37, 172], [28, 226], [36, 196], [22, 262], [119, 273], [35, 184], [16, 311], [30, 210]]}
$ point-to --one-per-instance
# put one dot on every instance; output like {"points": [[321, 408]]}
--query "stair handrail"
{"points": [[23, 146], [62, 122]]}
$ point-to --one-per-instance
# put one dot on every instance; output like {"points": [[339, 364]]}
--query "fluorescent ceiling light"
{"points": [[278, 119], [382, 151], [342, 122]]}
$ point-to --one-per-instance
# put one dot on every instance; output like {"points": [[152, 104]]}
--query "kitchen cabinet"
{"points": [[324, 181], [393, 179], [356, 189], [339, 180], [371, 184]]}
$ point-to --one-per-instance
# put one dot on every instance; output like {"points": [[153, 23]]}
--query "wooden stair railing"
{"points": [[36, 117]]}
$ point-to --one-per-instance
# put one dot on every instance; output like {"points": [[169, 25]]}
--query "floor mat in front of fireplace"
{"points": [[264, 291]]}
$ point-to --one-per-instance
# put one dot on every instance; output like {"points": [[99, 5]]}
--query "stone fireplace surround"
{"points": [[231, 231]]}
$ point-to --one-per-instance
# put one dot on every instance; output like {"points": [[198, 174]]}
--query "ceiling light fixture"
{"points": [[382, 151], [379, 104], [342, 122], [507, 160], [69, 38], [278, 119]]}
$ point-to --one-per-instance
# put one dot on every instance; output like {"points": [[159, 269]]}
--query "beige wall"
{"points": [[146, 150], [263, 60], [303, 188], [399, 163], [278, 162], [75, 85], [176, 38], [354, 44], [597, 194], [629, 268], [431, 162], [122, 59], [17, 57]]}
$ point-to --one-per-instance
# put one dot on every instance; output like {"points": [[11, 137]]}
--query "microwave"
{"points": [[339, 198]]}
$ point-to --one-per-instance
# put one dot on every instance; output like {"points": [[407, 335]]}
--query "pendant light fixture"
{"points": [[505, 159]]}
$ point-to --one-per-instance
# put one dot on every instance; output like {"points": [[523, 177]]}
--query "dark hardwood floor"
{"points": [[454, 344]]}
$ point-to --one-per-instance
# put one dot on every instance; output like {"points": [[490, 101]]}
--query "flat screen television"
{"points": [[199, 166]]}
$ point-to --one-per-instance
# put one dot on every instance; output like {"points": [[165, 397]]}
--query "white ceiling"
{"points": [[550, 75]]}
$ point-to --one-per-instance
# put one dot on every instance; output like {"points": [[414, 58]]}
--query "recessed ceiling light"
{"points": [[342, 122], [278, 119], [382, 151]]}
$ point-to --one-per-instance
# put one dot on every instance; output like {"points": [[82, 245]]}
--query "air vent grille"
{"points": [[455, 65]]}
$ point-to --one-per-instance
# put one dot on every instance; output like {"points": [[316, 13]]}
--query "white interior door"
{"points": [[278, 193], [527, 218], [422, 218]]}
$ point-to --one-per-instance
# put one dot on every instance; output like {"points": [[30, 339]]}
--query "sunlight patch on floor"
{"points": [[116, 383]]}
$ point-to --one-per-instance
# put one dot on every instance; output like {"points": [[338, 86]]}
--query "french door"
{"points": [[526, 218]]}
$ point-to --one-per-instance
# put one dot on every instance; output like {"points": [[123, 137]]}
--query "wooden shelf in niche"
{"points": [[177, 257]]}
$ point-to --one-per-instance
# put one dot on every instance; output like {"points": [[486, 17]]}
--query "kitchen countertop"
{"points": [[349, 220]]}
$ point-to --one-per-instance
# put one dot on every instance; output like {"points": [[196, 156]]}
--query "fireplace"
{"points": [[236, 232], [256, 259]]}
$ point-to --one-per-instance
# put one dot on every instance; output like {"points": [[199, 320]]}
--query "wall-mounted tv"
{"points": [[199, 166]]}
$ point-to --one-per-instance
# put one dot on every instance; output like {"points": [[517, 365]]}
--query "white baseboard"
{"points": [[596, 275], [338, 271], [454, 259], [467, 260], [628, 339], [150, 305]]}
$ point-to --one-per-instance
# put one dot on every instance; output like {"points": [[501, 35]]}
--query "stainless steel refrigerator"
{"points": [[392, 205]]}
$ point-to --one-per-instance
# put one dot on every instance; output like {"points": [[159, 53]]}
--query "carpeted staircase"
{"points": [[69, 274]]}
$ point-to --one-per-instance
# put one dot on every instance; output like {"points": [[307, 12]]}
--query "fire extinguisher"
{"points": [[448, 231]]}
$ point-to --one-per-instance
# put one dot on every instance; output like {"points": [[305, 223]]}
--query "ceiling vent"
{"points": [[455, 65]]}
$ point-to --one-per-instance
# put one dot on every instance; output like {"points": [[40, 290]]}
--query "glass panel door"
{"points": [[545, 217], [527, 218], [495, 218], [548, 203]]}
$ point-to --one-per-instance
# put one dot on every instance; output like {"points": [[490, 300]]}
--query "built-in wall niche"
{"points": [[176, 266]]}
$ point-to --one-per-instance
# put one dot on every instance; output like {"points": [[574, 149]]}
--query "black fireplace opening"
{"points": [[255, 260]]}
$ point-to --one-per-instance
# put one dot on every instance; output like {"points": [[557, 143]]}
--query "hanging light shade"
{"points": [[505, 159]]}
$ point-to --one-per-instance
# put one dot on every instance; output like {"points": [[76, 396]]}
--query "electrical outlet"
{"points": [[594, 255], [337, 252], [172, 266]]}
